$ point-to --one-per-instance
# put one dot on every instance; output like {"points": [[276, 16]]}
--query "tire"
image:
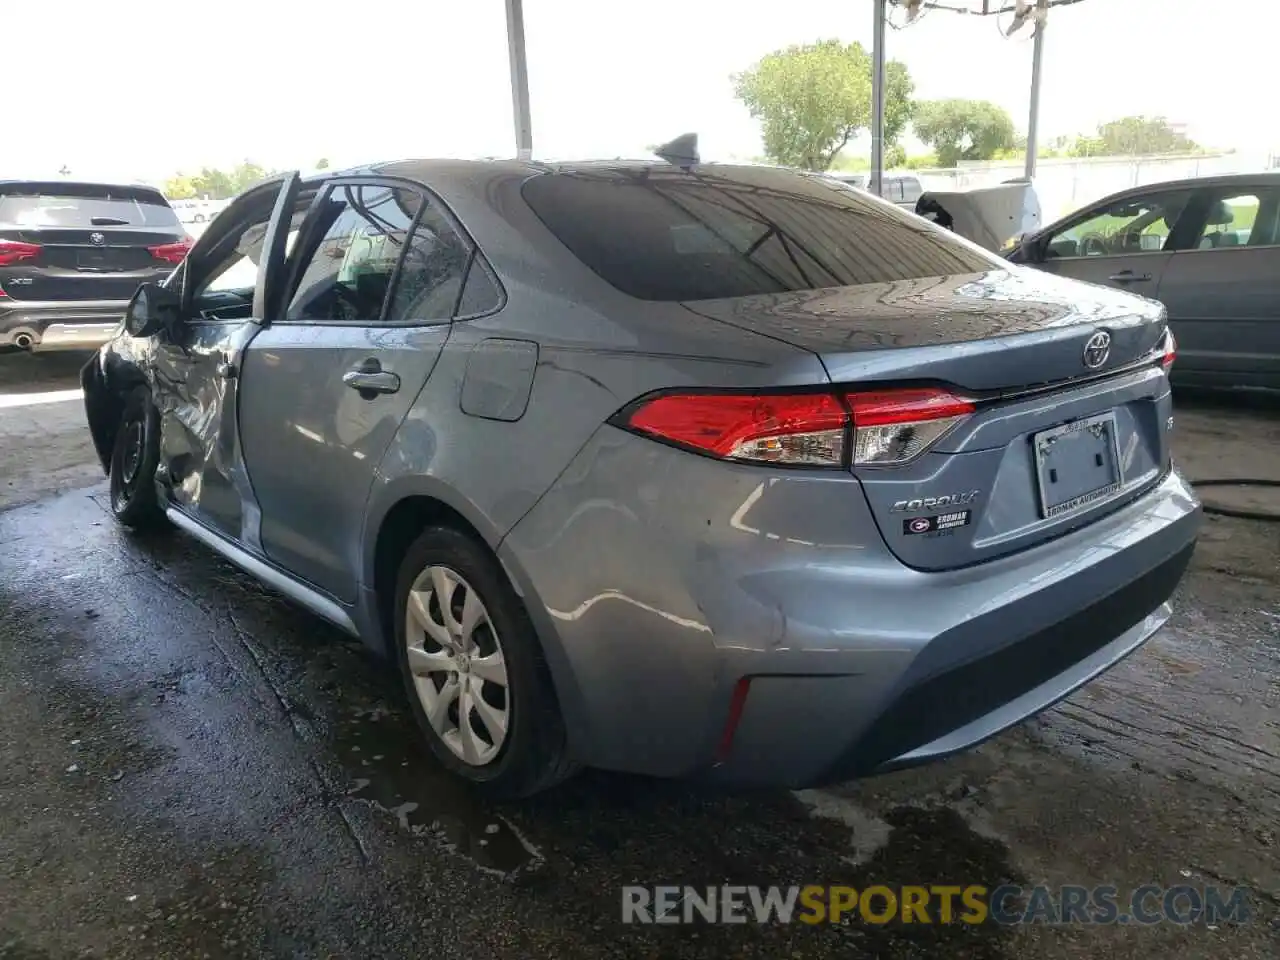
{"points": [[532, 754], [134, 457]]}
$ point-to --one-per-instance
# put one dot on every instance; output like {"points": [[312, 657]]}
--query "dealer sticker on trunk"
{"points": [[937, 523]]}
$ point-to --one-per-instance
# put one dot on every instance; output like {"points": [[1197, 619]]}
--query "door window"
{"points": [[1244, 219], [430, 281], [1131, 226], [348, 271]]}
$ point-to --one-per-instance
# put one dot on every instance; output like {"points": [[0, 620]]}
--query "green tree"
{"points": [[218, 184], [964, 129], [812, 99], [247, 174], [923, 161], [179, 187], [1134, 136], [322, 163]]}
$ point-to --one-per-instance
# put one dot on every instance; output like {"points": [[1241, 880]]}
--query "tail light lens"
{"points": [[15, 251], [1170, 350], [888, 427], [171, 252], [894, 426], [807, 429]]}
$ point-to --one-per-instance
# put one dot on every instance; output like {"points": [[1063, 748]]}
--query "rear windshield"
{"points": [[83, 205], [670, 234]]}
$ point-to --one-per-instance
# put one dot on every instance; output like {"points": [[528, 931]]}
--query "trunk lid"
{"points": [[1001, 330], [1054, 441]]}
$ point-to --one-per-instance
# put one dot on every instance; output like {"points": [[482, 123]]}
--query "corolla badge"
{"points": [[934, 503], [1097, 350], [97, 238]]}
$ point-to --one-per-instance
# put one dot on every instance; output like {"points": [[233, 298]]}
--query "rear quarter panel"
{"points": [[596, 351]]}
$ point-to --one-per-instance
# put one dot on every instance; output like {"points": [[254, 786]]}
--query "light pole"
{"points": [[877, 96], [519, 79]]}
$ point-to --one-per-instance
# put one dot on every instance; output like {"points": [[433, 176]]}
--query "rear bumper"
{"points": [[61, 325], [658, 580], [933, 715]]}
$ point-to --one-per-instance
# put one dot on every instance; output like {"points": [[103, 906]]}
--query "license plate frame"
{"points": [[1102, 429]]}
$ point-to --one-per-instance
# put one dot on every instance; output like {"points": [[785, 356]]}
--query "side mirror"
{"points": [[1025, 249], [151, 310]]}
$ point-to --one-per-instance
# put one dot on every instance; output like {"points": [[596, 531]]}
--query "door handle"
{"points": [[1128, 276], [369, 379]]}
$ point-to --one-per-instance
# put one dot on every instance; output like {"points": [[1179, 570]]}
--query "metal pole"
{"points": [[519, 79], [1033, 121], [877, 97]]}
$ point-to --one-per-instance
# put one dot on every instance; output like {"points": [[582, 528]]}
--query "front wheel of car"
{"points": [[478, 686], [134, 457]]}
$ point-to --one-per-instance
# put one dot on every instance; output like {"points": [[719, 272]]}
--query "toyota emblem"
{"points": [[96, 238], [1097, 350]]}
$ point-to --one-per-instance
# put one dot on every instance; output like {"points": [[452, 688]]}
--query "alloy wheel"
{"points": [[456, 659]]}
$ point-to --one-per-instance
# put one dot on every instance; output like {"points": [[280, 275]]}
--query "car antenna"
{"points": [[680, 152]]}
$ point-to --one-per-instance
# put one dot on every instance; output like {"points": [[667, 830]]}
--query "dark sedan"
{"points": [[1208, 249]]}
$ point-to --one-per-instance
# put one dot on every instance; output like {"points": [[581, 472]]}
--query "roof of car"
{"points": [[63, 182], [1271, 177], [428, 168]]}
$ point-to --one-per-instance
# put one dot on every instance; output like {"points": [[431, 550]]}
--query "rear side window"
{"points": [[668, 234], [1240, 218], [36, 205], [481, 294]]}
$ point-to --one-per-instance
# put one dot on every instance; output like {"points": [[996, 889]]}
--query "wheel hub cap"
{"points": [[458, 667]]}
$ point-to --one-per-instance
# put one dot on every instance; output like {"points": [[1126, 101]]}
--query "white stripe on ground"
{"points": [[27, 399]]}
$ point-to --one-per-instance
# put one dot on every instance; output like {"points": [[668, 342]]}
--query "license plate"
{"points": [[1077, 465], [93, 261]]}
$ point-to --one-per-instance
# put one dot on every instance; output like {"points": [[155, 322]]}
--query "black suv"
{"points": [[71, 256]]}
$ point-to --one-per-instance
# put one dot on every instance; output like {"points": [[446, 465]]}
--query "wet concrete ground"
{"points": [[190, 767]]}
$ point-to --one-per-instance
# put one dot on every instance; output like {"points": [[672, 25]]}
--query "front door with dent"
{"points": [[326, 385], [227, 282]]}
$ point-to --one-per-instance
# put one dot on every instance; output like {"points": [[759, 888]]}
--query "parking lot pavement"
{"points": [[44, 446], [191, 767]]}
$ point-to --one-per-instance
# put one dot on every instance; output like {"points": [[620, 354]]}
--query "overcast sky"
{"points": [[140, 89]]}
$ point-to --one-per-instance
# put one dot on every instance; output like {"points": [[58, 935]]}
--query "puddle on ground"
{"points": [[378, 750]]}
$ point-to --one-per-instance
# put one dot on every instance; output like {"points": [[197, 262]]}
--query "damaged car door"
{"points": [[230, 280]]}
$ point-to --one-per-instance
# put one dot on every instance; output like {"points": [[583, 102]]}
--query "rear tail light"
{"points": [[888, 427], [806, 428], [14, 251], [894, 426], [1170, 350], [171, 252]]}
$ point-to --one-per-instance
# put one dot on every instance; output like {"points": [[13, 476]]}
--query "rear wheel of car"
{"points": [[133, 463], [478, 686]]}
